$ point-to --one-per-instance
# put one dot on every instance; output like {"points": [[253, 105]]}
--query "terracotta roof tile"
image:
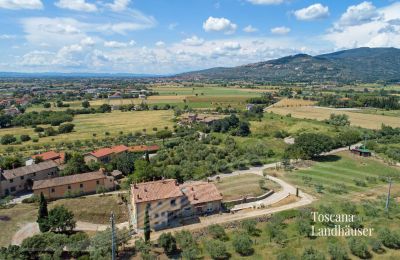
{"points": [[25, 170], [50, 155], [155, 190], [108, 151], [201, 192], [64, 180]]}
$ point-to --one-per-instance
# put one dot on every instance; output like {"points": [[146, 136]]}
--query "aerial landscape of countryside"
{"points": [[199, 129]]}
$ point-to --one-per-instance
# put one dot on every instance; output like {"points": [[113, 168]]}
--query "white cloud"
{"points": [[313, 12], [368, 28], [266, 2], [119, 5], [282, 30], [232, 46], [7, 36], [172, 26], [21, 4], [250, 29], [218, 25], [76, 5], [116, 44], [358, 14], [88, 41], [193, 41], [160, 44]]}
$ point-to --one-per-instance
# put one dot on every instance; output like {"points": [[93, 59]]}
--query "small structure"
{"points": [[13, 111], [361, 151], [144, 148], [249, 107], [58, 158], [116, 95], [77, 184], [22, 178], [104, 155], [117, 174]]}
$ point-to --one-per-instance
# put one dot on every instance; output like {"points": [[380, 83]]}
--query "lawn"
{"points": [[113, 123], [92, 209], [369, 121], [236, 187]]}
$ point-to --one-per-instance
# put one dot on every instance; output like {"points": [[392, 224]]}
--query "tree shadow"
{"points": [[328, 158]]}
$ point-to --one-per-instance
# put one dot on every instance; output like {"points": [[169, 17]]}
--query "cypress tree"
{"points": [[147, 224], [43, 214]]}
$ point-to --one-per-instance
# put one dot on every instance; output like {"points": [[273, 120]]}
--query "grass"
{"points": [[99, 124], [369, 121], [236, 187], [286, 102], [92, 209]]}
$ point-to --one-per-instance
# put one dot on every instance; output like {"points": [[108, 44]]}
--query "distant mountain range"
{"points": [[361, 64]]}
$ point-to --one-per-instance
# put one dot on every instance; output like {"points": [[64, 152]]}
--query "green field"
{"points": [[240, 186], [88, 125]]}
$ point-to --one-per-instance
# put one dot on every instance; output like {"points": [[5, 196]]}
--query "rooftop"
{"points": [[25, 170], [108, 151], [64, 180], [201, 192], [144, 148], [50, 155], [155, 190]]}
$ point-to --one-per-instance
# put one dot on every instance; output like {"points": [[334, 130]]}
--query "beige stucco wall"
{"points": [[88, 187], [19, 184]]}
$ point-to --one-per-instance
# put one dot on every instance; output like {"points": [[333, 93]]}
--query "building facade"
{"points": [[22, 178], [74, 185], [170, 202]]}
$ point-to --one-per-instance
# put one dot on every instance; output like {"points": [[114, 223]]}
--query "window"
{"points": [[97, 182], [162, 214], [11, 180], [183, 200], [12, 189], [53, 190], [156, 223], [159, 203], [34, 174], [156, 215], [69, 187], [22, 177], [81, 185], [149, 205], [173, 202]]}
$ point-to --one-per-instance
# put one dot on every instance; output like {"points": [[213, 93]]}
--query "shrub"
{"points": [[216, 249], [337, 252], [249, 226], [25, 138], [8, 139], [242, 244], [32, 199], [38, 129], [359, 248], [389, 238], [50, 131], [217, 232], [66, 128], [168, 242], [312, 254]]}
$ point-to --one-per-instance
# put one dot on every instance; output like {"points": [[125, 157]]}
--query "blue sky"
{"points": [[170, 36]]}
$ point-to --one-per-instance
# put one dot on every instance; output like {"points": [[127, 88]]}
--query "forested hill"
{"points": [[361, 64]]}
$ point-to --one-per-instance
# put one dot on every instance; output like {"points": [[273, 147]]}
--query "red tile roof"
{"points": [[144, 148], [108, 151], [50, 155], [201, 192], [70, 179], [155, 190]]}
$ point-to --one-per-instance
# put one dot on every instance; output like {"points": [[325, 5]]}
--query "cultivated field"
{"points": [[291, 102], [98, 124], [357, 119], [240, 186]]}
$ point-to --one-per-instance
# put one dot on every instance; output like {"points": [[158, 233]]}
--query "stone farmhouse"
{"points": [[22, 178], [170, 202], [104, 155]]}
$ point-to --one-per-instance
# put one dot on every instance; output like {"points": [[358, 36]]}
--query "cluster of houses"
{"points": [[43, 176]]}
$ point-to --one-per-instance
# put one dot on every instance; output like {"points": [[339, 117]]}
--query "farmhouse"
{"points": [[77, 184], [116, 95], [22, 178], [104, 155], [170, 202], [51, 156]]}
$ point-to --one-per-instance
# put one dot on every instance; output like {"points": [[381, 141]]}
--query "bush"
{"points": [[8, 139], [66, 128], [249, 226], [38, 129], [32, 199], [50, 131], [217, 232], [168, 242], [337, 252], [25, 138], [359, 248], [242, 244], [286, 256], [216, 249], [312, 254], [389, 238]]}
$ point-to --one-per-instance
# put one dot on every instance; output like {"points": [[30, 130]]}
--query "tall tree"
{"points": [[147, 224], [43, 214]]}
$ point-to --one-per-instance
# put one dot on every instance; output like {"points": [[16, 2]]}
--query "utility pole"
{"points": [[388, 196], [112, 235]]}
